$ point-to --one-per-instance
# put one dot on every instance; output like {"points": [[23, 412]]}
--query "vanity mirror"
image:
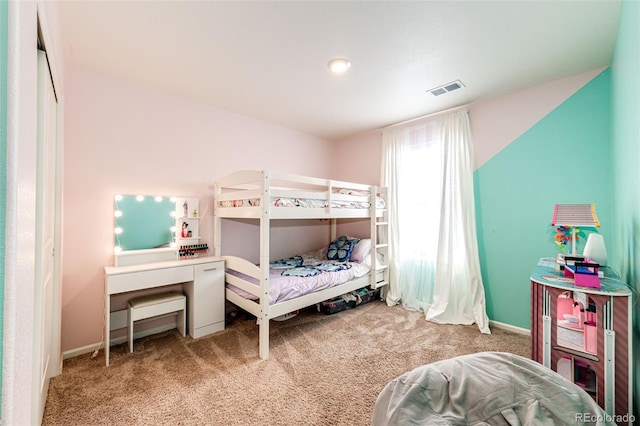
{"points": [[144, 222]]}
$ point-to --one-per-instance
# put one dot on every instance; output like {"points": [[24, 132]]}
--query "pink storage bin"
{"points": [[585, 274]]}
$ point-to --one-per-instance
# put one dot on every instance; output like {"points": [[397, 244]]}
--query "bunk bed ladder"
{"points": [[379, 240]]}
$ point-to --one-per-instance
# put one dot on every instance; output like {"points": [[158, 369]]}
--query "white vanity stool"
{"points": [[153, 305]]}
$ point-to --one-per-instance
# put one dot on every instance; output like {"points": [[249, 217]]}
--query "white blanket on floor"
{"points": [[487, 388]]}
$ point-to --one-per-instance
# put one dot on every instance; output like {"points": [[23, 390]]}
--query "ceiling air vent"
{"points": [[446, 88]]}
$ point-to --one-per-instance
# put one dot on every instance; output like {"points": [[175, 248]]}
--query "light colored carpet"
{"points": [[322, 370]]}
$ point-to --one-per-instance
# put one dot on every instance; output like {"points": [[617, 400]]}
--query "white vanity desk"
{"points": [[203, 283]]}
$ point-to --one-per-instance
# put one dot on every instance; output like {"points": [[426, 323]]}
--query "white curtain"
{"points": [[428, 168]]}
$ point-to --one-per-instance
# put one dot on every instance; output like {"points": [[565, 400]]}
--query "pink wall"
{"points": [[124, 138], [358, 160], [495, 123]]}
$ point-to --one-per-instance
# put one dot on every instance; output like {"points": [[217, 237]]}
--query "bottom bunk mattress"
{"points": [[304, 274]]}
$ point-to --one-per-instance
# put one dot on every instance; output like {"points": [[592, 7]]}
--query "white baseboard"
{"points": [[81, 351], [510, 327]]}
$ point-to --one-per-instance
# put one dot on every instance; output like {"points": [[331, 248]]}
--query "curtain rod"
{"points": [[425, 116]]}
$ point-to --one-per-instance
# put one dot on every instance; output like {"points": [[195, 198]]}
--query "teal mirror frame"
{"points": [[143, 222]]}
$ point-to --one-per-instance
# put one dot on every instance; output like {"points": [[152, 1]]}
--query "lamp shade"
{"points": [[575, 215], [595, 249]]}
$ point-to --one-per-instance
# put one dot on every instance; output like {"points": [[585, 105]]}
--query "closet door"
{"points": [[45, 282]]}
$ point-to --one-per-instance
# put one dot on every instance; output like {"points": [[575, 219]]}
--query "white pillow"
{"points": [[361, 250]]}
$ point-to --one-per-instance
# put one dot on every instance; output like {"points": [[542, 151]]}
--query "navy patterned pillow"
{"points": [[340, 249]]}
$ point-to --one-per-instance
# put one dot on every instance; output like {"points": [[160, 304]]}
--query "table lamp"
{"points": [[595, 249]]}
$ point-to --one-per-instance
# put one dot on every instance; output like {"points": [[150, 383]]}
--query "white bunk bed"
{"points": [[266, 196]]}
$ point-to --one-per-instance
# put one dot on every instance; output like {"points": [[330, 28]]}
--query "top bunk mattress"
{"points": [[356, 200], [246, 193]]}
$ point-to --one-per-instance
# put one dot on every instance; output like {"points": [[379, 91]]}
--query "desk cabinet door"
{"points": [[206, 299]]}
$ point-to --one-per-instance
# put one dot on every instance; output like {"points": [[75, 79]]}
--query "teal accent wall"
{"points": [[563, 158], [625, 104], [4, 11]]}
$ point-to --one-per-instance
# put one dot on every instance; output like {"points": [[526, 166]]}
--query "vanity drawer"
{"points": [[139, 280]]}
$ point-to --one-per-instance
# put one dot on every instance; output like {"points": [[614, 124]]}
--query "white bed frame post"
{"points": [[333, 229], [374, 236], [333, 223], [264, 267], [217, 223]]}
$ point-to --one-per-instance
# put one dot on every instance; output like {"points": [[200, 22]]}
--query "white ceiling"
{"points": [[268, 59]]}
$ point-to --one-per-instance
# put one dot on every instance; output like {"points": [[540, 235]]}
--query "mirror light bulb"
{"points": [[118, 197], [158, 199], [140, 198], [118, 231], [118, 213]]}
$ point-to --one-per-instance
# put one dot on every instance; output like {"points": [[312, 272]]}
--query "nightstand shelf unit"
{"points": [[584, 333]]}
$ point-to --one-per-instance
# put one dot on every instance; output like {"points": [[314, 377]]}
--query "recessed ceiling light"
{"points": [[339, 65]]}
